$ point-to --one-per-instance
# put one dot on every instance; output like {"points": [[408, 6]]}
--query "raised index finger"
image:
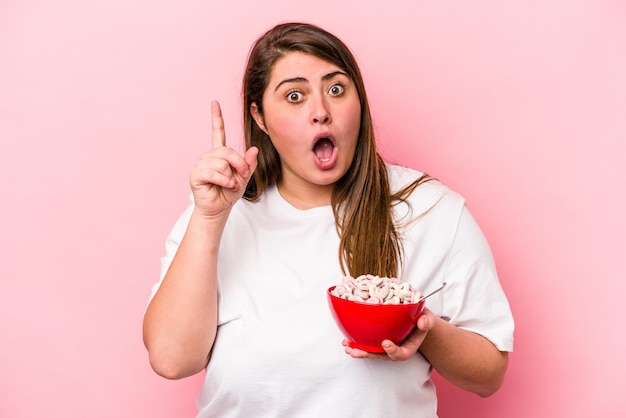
{"points": [[219, 136]]}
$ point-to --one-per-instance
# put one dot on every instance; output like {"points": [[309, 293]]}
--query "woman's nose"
{"points": [[321, 119], [320, 112]]}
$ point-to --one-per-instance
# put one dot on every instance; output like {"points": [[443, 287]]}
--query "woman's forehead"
{"points": [[301, 66]]}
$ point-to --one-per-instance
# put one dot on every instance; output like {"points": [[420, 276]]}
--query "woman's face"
{"points": [[312, 114]]}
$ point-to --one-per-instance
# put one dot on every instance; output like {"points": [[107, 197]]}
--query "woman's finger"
{"points": [[219, 135]]}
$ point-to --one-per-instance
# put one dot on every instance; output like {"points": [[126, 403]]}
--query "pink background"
{"points": [[104, 108]]}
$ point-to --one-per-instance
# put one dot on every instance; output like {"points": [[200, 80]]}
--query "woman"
{"points": [[266, 233]]}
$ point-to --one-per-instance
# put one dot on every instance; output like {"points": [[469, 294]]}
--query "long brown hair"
{"points": [[362, 202]]}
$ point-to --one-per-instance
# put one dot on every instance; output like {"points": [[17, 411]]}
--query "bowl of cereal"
{"points": [[370, 309]]}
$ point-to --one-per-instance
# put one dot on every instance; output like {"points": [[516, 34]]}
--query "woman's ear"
{"points": [[258, 117]]}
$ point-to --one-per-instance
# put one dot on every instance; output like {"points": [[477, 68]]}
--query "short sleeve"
{"points": [[474, 299], [172, 242]]}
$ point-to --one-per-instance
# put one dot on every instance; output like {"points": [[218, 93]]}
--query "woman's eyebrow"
{"points": [[304, 80], [333, 74], [292, 80]]}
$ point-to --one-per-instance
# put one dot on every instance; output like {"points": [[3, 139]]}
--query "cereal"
{"points": [[374, 289]]}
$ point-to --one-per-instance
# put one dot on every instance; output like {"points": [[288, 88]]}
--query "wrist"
{"points": [[434, 337], [210, 219], [206, 228]]}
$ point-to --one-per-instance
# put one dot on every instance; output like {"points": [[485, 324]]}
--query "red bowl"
{"points": [[366, 325]]}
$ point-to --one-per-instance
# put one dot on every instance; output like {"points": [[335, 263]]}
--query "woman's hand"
{"points": [[401, 352], [220, 177]]}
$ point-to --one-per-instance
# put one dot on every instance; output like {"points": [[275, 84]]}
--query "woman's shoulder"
{"points": [[401, 176], [429, 191]]}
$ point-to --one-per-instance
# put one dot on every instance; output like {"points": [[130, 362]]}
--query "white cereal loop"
{"points": [[376, 290]]}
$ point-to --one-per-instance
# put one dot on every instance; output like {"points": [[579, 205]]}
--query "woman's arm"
{"points": [[181, 320], [464, 358], [468, 360], [180, 323]]}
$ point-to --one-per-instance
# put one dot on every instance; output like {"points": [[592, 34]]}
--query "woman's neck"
{"points": [[307, 196]]}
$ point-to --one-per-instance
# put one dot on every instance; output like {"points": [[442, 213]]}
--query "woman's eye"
{"points": [[336, 89], [294, 96]]}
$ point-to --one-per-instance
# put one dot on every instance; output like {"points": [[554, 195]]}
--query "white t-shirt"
{"points": [[278, 352]]}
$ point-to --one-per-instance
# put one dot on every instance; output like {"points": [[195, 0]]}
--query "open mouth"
{"points": [[323, 149]]}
